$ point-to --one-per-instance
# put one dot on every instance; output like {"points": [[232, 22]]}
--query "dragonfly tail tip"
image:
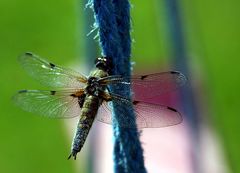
{"points": [[73, 154]]}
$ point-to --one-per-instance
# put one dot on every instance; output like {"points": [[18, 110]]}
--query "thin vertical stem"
{"points": [[180, 61]]}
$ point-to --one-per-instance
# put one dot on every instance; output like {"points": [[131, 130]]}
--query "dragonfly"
{"points": [[90, 97]]}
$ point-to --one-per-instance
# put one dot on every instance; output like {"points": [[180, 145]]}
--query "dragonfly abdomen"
{"points": [[88, 113]]}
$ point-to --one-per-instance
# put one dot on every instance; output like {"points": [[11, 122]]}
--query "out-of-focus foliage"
{"points": [[212, 34], [30, 143], [54, 29]]}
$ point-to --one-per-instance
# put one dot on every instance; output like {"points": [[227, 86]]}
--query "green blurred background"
{"points": [[56, 29]]}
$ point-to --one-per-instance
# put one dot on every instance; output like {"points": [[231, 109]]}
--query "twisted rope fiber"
{"points": [[112, 18]]}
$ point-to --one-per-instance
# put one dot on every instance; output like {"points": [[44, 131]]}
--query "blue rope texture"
{"points": [[112, 18]]}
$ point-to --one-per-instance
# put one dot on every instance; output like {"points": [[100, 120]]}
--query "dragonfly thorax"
{"points": [[93, 86]]}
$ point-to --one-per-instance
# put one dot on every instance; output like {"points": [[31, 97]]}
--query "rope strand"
{"points": [[112, 18]]}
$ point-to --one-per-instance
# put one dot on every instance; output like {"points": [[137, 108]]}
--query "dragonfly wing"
{"points": [[147, 115], [50, 74], [150, 86], [53, 104], [156, 116], [105, 115]]}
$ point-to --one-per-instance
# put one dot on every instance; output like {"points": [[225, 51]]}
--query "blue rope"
{"points": [[112, 18]]}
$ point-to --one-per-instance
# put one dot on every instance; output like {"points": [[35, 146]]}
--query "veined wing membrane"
{"points": [[153, 85], [50, 74], [53, 104], [150, 86], [154, 116], [147, 115]]}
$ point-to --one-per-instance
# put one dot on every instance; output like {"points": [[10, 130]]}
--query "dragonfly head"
{"points": [[103, 63]]}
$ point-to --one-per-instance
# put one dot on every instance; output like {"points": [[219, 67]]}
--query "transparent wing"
{"points": [[152, 85], [147, 115], [149, 86], [153, 115], [50, 74], [53, 104]]}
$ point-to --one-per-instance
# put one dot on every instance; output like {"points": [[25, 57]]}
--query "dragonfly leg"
{"points": [[106, 96]]}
